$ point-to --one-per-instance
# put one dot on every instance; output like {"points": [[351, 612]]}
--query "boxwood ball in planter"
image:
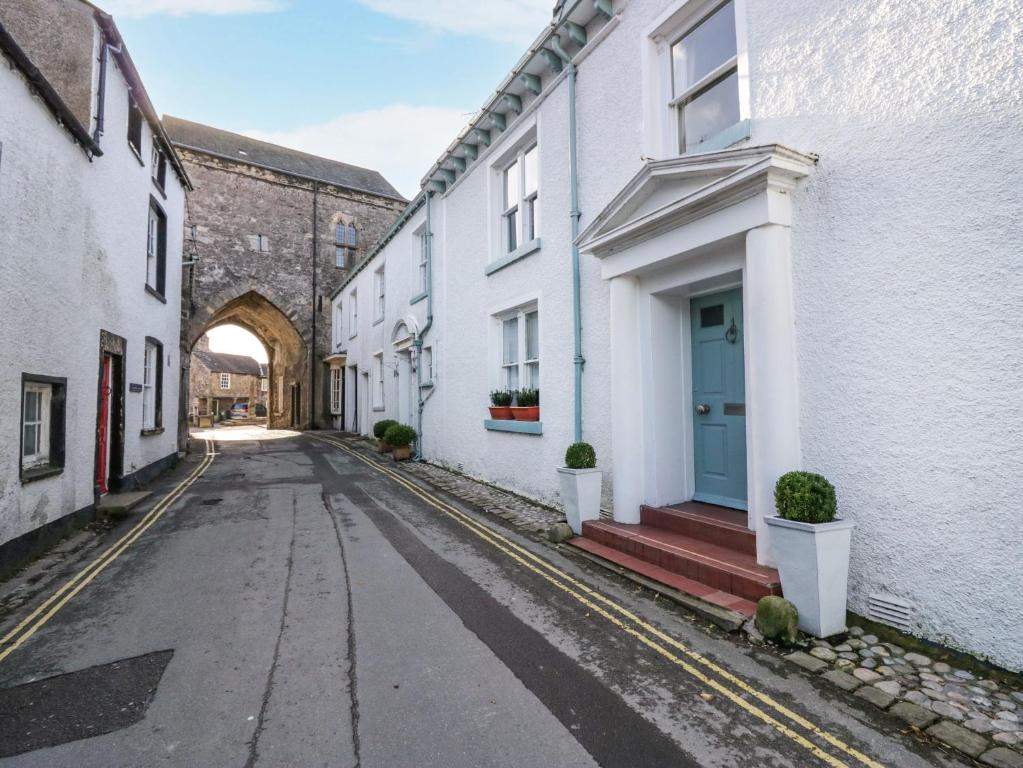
{"points": [[379, 430], [580, 485], [811, 548], [400, 437]]}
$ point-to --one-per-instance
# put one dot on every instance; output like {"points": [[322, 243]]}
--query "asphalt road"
{"points": [[297, 607]]}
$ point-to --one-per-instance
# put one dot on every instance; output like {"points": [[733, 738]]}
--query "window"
{"points": [[135, 128], [520, 350], [156, 249], [346, 244], [279, 400], [427, 365], [378, 292], [520, 217], [705, 79], [260, 243], [378, 381], [152, 386], [424, 250], [42, 425], [159, 166], [336, 328], [353, 313], [264, 384], [335, 391], [225, 381]]}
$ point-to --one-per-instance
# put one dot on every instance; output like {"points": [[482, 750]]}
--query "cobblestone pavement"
{"points": [[517, 510], [965, 710]]}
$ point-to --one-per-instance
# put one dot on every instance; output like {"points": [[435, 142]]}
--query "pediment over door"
{"points": [[667, 194]]}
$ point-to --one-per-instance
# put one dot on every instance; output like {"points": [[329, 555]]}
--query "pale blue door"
{"points": [[719, 399]]}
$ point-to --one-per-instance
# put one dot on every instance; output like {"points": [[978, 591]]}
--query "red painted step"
{"points": [[718, 567], [662, 576], [715, 525]]}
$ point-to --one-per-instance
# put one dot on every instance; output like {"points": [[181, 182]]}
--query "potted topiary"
{"points": [[500, 400], [400, 437], [580, 485], [527, 405], [811, 547], [379, 430]]}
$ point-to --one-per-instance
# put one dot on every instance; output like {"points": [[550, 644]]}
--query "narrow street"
{"points": [[296, 605]]}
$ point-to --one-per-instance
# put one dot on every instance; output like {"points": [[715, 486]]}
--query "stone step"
{"points": [[710, 564], [715, 525]]}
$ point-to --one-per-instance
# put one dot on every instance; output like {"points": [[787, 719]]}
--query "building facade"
{"points": [[217, 381], [91, 209], [270, 233], [784, 262]]}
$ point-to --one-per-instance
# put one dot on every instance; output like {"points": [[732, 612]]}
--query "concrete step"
{"points": [[715, 566], [706, 522], [118, 505]]}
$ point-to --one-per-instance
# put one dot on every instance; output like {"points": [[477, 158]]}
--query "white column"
{"points": [[626, 399], [772, 396]]}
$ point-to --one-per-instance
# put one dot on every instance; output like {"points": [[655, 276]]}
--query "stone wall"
{"points": [[271, 293]]}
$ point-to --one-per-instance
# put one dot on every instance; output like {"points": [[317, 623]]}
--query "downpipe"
{"points": [[418, 342]]}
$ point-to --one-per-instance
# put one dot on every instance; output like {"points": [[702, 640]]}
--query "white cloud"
{"points": [[507, 21], [136, 8], [235, 340], [401, 141]]}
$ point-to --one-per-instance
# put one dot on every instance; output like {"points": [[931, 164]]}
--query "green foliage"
{"points": [[526, 398], [805, 497], [381, 427], [580, 456], [501, 398], [399, 435]]}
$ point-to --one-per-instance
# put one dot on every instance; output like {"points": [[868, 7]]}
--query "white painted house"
{"points": [[797, 249], [91, 210]]}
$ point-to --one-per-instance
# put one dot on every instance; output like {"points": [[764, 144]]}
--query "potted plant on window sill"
{"points": [[580, 485], [811, 548], [500, 402], [379, 430], [527, 405], [400, 437]]}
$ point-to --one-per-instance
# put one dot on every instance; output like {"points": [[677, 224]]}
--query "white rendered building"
{"points": [[796, 251], [91, 206]]}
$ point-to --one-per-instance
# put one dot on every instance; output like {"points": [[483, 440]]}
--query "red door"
{"points": [[104, 425]]}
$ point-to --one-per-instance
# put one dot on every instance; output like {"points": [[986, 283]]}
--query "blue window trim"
{"points": [[519, 253], [733, 134], [510, 425], [417, 298]]}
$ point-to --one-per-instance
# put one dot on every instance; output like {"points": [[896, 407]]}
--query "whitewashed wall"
{"points": [[907, 280], [72, 262]]}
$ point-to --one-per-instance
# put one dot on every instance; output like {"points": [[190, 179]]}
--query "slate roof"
{"points": [[220, 362], [214, 141]]}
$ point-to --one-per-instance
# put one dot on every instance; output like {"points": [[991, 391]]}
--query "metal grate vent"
{"points": [[889, 609]]}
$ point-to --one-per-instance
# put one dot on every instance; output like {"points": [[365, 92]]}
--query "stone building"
{"points": [[217, 381], [92, 199], [271, 232]]}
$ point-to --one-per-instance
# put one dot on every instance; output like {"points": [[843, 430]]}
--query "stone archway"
{"points": [[287, 350]]}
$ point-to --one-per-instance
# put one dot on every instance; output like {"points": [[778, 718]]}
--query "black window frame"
{"points": [[158, 290], [135, 128], [58, 426], [159, 171], [157, 427]]}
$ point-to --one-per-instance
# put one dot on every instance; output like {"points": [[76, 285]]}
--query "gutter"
{"points": [[577, 323], [418, 342], [65, 117]]}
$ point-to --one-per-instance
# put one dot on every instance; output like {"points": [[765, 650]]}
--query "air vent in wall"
{"points": [[889, 609]]}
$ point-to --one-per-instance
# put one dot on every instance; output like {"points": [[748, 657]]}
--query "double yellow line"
{"points": [[715, 677], [32, 623]]}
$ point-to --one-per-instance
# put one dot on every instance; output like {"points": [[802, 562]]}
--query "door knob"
{"points": [[703, 409]]}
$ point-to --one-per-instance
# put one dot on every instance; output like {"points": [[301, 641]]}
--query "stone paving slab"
{"points": [[1002, 757], [913, 714], [958, 737]]}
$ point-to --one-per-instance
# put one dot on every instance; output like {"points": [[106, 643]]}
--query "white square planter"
{"points": [[580, 494], [813, 561]]}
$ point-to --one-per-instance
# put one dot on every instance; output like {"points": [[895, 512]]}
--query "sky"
{"points": [[385, 84], [235, 340]]}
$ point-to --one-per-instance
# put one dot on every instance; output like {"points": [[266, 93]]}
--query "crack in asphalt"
{"points": [[254, 742], [353, 680]]}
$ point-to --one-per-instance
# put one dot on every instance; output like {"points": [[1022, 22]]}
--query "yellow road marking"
{"points": [[521, 555], [76, 584]]}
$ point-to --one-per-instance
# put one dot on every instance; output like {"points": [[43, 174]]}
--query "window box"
{"points": [[522, 427], [525, 413]]}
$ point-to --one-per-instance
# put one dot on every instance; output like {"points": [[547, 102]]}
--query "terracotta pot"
{"points": [[383, 447], [401, 453], [500, 412], [527, 413]]}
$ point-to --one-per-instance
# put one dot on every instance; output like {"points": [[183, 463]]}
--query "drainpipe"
{"points": [[312, 346], [578, 359], [101, 91], [418, 343]]}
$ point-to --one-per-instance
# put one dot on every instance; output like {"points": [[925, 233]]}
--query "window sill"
{"points": [[378, 321], [417, 298], [510, 425], [377, 409], [138, 154], [353, 336], [149, 432], [40, 473], [723, 139], [155, 293], [519, 253], [426, 384]]}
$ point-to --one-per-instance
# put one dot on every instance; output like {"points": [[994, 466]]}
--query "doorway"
{"points": [[109, 458]]}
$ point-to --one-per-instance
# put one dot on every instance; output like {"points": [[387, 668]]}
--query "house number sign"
{"points": [[135, 387]]}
